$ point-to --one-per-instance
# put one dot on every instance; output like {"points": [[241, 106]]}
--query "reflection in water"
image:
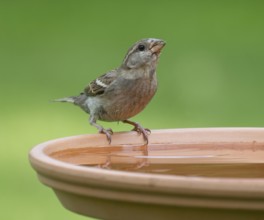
{"points": [[208, 161], [139, 164]]}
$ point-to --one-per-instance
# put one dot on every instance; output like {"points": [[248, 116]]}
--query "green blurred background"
{"points": [[210, 74]]}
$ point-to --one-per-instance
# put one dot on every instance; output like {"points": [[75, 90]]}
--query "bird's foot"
{"points": [[144, 131], [108, 132], [140, 130]]}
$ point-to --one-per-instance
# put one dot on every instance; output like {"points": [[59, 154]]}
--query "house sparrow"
{"points": [[123, 92]]}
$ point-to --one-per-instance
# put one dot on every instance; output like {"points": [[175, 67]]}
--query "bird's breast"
{"points": [[128, 97]]}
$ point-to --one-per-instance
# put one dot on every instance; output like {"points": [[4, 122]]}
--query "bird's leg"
{"points": [[138, 128], [108, 132]]}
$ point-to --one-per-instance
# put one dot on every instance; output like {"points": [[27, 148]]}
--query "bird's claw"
{"points": [[139, 129], [108, 132], [144, 131]]}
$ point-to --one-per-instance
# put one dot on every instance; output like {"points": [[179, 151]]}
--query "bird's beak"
{"points": [[157, 46]]}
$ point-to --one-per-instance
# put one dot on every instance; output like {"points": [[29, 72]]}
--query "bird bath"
{"points": [[194, 174]]}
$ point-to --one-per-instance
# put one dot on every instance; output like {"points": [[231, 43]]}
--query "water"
{"points": [[184, 160], [206, 170]]}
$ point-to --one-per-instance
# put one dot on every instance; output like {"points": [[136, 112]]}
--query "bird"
{"points": [[123, 92]]}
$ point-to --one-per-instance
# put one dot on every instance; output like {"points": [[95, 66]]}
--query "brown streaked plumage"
{"points": [[124, 92]]}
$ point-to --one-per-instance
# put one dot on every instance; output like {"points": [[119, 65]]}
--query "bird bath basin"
{"points": [[213, 173]]}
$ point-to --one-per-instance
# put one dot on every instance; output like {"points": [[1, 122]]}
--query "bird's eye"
{"points": [[141, 47]]}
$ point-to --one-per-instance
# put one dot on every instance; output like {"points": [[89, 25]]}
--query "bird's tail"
{"points": [[66, 99]]}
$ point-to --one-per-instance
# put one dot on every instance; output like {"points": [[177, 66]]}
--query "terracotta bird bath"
{"points": [[187, 174]]}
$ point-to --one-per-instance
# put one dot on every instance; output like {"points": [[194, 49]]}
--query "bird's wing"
{"points": [[98, 86]]}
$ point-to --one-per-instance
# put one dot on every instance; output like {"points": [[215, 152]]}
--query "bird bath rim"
{"points": [[167, 190]]}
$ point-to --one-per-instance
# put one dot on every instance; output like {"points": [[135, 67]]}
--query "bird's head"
{"points": [[143, 52]]}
